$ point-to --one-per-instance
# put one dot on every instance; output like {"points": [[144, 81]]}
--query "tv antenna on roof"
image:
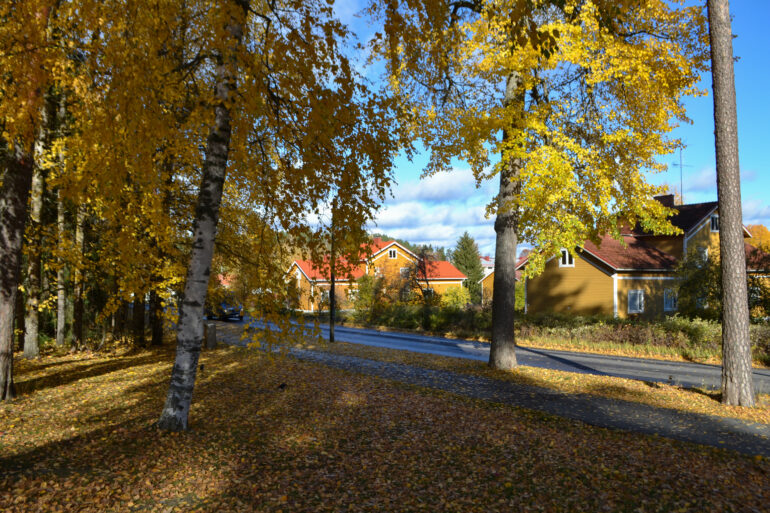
{"points": [[680, 165]]}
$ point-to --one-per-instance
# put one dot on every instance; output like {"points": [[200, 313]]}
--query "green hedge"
{"points": [[697, 338]]}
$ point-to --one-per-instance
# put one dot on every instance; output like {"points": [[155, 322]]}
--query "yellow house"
{"points": [[635, 280], [488, 283], [386, 259]]}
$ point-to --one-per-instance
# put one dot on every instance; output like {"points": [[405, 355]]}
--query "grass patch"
{"points": [[83, 439]]}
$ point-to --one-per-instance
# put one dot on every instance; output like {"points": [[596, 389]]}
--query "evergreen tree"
{"points": [[466, 258], [737, 387]]}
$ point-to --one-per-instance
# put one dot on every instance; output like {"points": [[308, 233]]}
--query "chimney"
{"points": [[667, 200]]}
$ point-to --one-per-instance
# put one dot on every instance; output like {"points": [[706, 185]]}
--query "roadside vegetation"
{"points": [[675, 338], [274, 434]]}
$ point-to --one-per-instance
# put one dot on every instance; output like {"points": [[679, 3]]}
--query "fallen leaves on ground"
{"points": [[654, 394], [83, 439]]}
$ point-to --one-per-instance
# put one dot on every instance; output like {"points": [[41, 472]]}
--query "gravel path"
{"points": [[741, 436]]}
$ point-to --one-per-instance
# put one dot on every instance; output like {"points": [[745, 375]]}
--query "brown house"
{"points": [[386, 259], [635, 278]]}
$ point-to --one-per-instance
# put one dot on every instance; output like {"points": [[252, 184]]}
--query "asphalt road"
{"points": [[678, 373]]}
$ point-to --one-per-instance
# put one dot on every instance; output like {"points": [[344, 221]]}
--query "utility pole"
{"points": [[332, 265], [681, 166]]}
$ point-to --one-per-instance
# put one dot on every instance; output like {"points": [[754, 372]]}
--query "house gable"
{"points": [[585, 288]]}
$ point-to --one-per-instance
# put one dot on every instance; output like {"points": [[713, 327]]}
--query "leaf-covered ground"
{"points": [[654, 394], [82, 439]]}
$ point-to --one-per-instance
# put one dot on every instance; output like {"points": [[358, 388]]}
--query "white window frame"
{"points": [[636, 291], [703, 254], [404, 272], [392, 254], [670, 300], [566, 259], [378, 272], [714, 221]]}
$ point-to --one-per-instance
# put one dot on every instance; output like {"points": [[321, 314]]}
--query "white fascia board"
{"points": [[594, 265], [699, 225], [300, 270], [599, 259], [389, 244], [646, 270], [641, 278]]}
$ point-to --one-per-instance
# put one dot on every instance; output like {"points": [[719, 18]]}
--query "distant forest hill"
{"points": [[439, 252]]}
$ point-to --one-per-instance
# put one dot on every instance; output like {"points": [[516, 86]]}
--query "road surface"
{"points": [[678, 373]]}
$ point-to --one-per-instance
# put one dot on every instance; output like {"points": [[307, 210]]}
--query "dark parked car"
{"points": [[225, 310]]}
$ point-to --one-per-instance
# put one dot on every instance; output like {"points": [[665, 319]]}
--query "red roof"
{"points": [[313, 273], [635, 255], [378, 244], [443, 270]]}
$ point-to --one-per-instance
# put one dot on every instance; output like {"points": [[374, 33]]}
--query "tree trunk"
{"points": [[332, 299], [174, 416], [156, 319], [737, 387], [61, 291], [32, 319], [77, 317], [502, 354], [137, 324], [20, 328], [17, 170]]}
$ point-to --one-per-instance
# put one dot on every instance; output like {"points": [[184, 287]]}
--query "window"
{"points": [[566, 259], [378, 272], [405, 272], [714, 223], [670, 302], [635, 301], [703, 255], [392, 253], [428, 292]]}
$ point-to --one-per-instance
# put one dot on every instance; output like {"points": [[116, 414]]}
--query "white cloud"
{"points": [[704, 180], [756, 212], [438, 210], [455, 185], [748, 175]]}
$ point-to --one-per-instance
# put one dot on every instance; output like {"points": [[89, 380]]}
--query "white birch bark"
{"points": [[32, 312], [61, 297], [174, 416]]}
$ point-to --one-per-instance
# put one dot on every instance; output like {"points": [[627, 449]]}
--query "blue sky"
{"points": [[439, 209]]}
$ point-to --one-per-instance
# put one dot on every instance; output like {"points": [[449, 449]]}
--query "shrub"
{"points": [[456, 297]]}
